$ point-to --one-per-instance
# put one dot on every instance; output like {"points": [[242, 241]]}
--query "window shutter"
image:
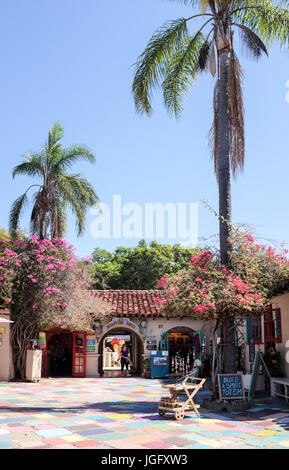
{"points": [[278, 324]]}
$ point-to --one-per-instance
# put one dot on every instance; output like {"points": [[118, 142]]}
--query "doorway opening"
{"points": [[59, 355], [184, 348], [110, 353], [65, 354]]}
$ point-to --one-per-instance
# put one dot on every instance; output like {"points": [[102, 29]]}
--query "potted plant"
{"points": [[147, 368]]}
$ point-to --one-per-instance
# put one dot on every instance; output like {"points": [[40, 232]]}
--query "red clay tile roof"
{"points": [[134, 303]]}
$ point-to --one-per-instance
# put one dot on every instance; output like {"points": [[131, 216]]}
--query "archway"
{"points": [[109, 352], [184, 347]]}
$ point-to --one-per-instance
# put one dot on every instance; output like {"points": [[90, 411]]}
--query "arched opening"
{"points": [[184, 348], [109, 351], [59, 348]]}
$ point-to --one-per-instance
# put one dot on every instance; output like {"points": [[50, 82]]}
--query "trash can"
{"points": [[33, 364]]}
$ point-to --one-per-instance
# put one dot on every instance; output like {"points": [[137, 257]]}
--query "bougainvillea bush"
{"points": [[209, 291], [43, 284]]}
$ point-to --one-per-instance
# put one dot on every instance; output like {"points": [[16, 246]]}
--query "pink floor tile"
{"points": [[45, 426], [87, 443], [56, 441], [21, 429], [157, 445], [245, 429]]}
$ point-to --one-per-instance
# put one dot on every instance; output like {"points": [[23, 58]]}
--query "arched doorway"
{"points": [[109, 352], [184, 348]]}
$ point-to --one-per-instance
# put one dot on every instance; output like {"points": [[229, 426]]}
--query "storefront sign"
{"points": [[231, 387], [151, 343]]}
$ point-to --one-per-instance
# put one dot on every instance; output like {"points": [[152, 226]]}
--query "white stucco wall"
{"points": [[282, 302]]}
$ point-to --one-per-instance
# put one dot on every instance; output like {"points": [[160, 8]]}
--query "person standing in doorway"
{"points": [[124, 359]]}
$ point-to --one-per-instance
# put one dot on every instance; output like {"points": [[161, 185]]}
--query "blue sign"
{"points": [[90, 342], [159, 364], [230, 386]]}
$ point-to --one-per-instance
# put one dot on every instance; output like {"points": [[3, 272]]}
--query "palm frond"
{"points": [[181, 71], [72, 155], [33, 166], [236, 118], [254, 44], [236, 114], [152, 64], [78, 194], [53, 145], [269, 21], [15, 212]]}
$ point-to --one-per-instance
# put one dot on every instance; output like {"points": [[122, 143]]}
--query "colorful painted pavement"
{"points": [[122, 414]]}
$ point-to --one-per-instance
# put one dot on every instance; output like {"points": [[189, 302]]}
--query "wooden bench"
{"points": [[280, 387]]}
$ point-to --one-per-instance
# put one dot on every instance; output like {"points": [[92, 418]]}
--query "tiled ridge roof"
{"points": [[135, 303]]}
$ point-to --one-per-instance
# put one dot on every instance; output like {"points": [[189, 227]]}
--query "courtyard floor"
{"points": [[121, 413]]}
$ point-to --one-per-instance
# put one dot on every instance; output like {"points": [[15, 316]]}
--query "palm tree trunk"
{"points": [[43, 226], [223, 150], [223, 158]]}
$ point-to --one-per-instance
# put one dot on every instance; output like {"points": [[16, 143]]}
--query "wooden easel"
{"points": [[258, 359]]}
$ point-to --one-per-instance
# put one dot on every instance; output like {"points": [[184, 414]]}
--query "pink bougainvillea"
{"points": [[208, 290], [44, 284]]}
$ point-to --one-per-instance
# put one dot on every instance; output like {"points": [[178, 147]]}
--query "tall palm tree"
{"points": [[172, 60], [57, 191]]}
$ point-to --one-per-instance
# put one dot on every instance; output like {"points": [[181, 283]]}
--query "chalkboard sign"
{"points": [[231, 387]]}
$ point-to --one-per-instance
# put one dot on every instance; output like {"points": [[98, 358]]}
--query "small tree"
{"points": [[205, 290], [43, 285]]}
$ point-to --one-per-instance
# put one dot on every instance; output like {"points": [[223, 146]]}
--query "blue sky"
{"points": [[71, 61]]}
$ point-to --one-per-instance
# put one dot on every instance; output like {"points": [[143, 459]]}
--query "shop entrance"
{"points": [[65, 354], [110, 347], [184, 348]]}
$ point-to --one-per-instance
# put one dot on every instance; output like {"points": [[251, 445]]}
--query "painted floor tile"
{"points": [[72, 413]]}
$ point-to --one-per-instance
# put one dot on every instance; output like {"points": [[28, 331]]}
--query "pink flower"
{"points": [[49, 266]]}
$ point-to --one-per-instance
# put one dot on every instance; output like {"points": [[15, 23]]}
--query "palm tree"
{"points": [[172, 60], [58, 189]]}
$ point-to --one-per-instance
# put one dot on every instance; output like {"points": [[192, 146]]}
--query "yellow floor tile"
{"points": [[72, 438], [265, 432], [118, 416]]}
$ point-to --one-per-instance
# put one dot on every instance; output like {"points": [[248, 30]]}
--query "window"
{"points": [[272, 325], [254, 329]]}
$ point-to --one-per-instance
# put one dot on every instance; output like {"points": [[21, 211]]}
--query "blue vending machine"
{"points": [[159, 364]]}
